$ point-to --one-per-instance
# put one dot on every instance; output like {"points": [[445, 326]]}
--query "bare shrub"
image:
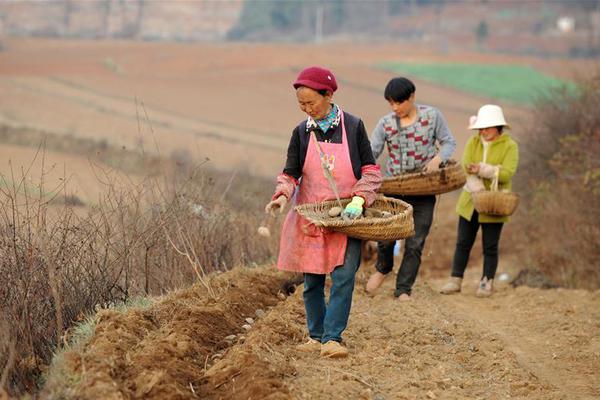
{"points": [[560, 177], [60, 263]]}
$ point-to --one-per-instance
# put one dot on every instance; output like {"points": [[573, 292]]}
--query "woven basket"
{"points": [[446, 179], [398, 226], [501, 204], [495, 202]]}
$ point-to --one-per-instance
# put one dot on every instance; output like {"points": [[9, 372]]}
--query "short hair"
{"points": [[322, 92], [399, 90]]}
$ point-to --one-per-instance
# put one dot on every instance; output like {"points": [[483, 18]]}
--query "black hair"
{"points": [[399, 90], [322, 92], [500, 129]]}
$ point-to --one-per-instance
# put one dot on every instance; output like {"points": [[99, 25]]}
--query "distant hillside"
{"points": [[141, 19], [543, 27]]}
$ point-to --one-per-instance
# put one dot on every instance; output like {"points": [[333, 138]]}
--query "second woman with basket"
{"points": [[490, 158]]}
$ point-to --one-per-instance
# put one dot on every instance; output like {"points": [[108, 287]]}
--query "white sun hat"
{"points": [[488, 116]]}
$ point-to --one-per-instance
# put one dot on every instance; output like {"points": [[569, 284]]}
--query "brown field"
{"points": [[234, 104], [455, 347], [231, 103]]}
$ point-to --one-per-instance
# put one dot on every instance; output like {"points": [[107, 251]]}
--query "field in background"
{"points": [[152, 111], [232, 103], [512, 83]]}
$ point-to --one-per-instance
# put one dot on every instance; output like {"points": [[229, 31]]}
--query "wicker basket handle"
{"points": [[494, 186]]}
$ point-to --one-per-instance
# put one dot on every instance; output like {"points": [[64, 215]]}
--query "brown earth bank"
{"points": [[508, 346], [163, 351]]}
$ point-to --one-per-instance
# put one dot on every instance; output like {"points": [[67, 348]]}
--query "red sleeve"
{"points": [[286, 185], [368, 184]]}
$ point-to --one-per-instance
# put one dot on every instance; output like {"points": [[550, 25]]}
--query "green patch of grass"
{"points": [[514, 83]]}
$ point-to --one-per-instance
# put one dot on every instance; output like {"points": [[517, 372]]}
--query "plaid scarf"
{"points": [[331, 120]]}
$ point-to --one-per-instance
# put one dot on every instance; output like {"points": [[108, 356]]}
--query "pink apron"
{"points": [[303, 246]]}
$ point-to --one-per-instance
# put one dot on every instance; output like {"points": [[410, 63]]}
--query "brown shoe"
{"points": [[452, 286], [485, 288], [375, 280], [333, 349], [312, 346], [404, 297]]}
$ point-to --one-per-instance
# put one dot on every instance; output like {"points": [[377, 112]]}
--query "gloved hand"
{"points": [[355, 208], [487, 171], [278, 203]]}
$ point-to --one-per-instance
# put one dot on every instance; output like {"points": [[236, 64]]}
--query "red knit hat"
{"points": [[316, 78]]}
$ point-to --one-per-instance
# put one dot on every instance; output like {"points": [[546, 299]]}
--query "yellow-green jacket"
{"points": [[504, 152]]}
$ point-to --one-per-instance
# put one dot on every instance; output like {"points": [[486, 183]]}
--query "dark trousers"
{"points": [[423, 207], [467, 232]]}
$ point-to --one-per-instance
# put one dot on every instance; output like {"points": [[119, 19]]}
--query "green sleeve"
{"points": [[509, 164], [467, 157]]}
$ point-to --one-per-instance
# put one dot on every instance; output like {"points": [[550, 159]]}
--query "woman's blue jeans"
{"points": [[327, 321]]}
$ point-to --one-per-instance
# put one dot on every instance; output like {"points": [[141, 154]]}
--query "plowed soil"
{"points": [[520, 343]]}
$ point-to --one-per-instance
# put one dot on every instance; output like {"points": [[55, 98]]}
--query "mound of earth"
{"points": [[520, 343]]}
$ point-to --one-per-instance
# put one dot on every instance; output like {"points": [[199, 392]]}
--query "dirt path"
{"points": [[554, 334], [521, 343]]}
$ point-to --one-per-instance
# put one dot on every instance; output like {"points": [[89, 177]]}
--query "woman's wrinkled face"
{"points": [[313, 103], [403, 109], [490, 134]]}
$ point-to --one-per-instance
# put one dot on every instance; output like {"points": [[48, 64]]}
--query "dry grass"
{"points": [[61, 262], [560, 177]]}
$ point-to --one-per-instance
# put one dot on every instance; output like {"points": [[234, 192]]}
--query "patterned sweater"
{"points": [[411, 147]]}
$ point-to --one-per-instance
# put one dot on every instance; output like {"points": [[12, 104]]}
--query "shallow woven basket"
{"points": [[398, 226], [446, 179], [500, 204]]}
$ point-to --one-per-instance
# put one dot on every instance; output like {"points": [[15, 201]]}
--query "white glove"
{"points": [[474, 184], [487, 171]]}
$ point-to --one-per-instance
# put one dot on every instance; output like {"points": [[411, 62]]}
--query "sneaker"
{"points": [[312, 346], [452, 286], [333, 349], [375, 280], [485, 288]]}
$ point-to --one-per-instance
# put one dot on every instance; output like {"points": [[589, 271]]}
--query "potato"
{"points": [[264, 231], [335, 211], [373, 213]]}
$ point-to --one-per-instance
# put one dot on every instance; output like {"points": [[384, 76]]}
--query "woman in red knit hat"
{"points": [[344, 148]]}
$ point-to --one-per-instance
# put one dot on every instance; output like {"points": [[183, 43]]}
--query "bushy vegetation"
{"points": [[60, 263], [514, 83], [560, 181]]}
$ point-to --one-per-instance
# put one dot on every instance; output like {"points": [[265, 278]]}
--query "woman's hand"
{"points": [[354, 209], [473, 168], [487, 171], [433, 164], [279, 203]]}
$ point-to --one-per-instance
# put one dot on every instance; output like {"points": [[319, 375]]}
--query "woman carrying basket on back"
{"points": [[491, 154], [333, 139]]}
